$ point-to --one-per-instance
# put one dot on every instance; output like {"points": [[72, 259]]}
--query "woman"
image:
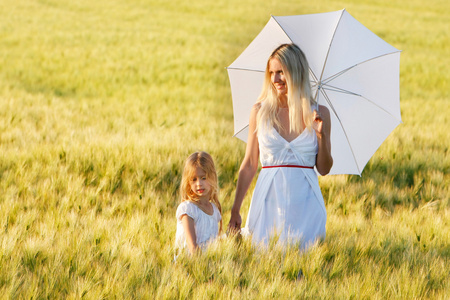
{"points": [[291, 139]]}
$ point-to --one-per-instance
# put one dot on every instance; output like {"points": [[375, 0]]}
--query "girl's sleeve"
{"points": [[186, 208]]}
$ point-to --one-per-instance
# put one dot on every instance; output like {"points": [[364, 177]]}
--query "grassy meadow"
{"points": [[101, 102]]}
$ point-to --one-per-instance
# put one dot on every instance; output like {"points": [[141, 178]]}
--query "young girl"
{"points": [[199, 217]]}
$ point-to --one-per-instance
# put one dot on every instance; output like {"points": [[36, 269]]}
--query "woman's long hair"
{"points": [[204, 161], [296, 71]]}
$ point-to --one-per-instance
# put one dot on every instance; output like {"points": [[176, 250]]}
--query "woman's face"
{"points": [[277, 77]]}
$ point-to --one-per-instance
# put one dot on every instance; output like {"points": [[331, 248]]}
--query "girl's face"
{"points": [[277, 77], [199, 185]]}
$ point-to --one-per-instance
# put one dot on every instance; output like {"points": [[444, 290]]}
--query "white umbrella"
{"points": [[352, 71]]}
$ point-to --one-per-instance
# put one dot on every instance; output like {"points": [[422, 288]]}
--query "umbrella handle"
{"points": [[317, 105]]}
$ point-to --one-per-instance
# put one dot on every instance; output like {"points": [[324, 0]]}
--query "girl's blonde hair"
{"points": [[296, 71], [204, 161]]}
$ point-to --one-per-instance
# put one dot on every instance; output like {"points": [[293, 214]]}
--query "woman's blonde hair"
{"points": [[296, 71], [204, 161]]}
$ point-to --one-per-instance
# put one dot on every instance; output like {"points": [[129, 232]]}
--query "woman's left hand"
{"points": [[317, 122]]}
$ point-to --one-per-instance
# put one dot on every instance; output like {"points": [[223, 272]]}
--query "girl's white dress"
{"points": [[287, 202], [206, 226]]}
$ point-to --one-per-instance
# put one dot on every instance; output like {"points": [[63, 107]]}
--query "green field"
{"points": [[101, 102]]}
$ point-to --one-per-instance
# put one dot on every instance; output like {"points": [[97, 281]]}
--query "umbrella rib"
{"points": [[292, 42], [343, 129], [339, 90], [313, 75], [373, 103], [329, 46], [242, 69], [245, 127], [314, 78], [331, 78], [326, 58], [354, 66]]}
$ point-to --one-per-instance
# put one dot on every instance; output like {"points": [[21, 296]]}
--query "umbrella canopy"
{"points": [[353, 72]]}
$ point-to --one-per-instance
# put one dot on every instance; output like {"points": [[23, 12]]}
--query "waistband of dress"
{"points": [[288, 166]]}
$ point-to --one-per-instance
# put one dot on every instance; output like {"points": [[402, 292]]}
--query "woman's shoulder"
{"points": [[324, 112], [255, 109], [323, 109], [257, 106]]}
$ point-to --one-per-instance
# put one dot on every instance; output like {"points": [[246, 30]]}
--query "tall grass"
{"points": [[100, 103]]}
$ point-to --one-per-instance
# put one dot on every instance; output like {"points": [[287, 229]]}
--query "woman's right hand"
{"points": [[235, 223]]}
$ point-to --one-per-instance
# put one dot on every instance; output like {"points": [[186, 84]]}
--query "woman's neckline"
{"points": [[284, 139]]}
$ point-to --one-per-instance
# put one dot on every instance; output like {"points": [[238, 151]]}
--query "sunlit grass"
{"points": [[101, 102]]}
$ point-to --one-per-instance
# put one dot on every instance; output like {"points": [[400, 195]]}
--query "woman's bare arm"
{"points": [[322, 127], [247, 170]]}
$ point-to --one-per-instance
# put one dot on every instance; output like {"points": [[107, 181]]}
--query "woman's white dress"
{"points": [[287, 202], [206, 226]]}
